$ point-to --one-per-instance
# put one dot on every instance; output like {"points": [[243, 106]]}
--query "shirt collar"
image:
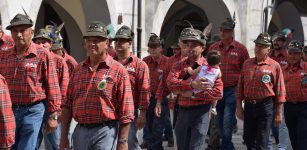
{"points": [[265, 62], [232, 44], [32, 49], [283, 53], [106, 62]]}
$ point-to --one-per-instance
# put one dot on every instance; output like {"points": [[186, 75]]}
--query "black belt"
{"points": [[26, 105], [192, 107], [258, 101], [101, 124], [229, 87], [304, 102]]}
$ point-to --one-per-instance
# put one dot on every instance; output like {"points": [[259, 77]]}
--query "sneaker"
{"points": [[143, 145]]}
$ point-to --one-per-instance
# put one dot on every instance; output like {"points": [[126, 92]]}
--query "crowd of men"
{"points": [[112, 93]]}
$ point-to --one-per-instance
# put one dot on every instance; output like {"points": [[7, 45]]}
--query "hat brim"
{"points": [[193, 39], [262, 42], [95, 34], [42, 37], [19, 23], [279, 37], [122, 37], [294, 50], [226, 27]]}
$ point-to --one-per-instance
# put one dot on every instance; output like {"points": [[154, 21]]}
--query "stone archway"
{"points": [[286, 15]]}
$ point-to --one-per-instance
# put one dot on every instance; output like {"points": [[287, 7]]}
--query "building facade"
{"points": [[164, 17]]}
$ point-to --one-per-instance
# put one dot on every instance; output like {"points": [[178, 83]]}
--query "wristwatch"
{"points": [[54, 117], [123, 140]]}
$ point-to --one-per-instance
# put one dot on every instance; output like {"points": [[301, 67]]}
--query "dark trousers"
{"points": [[296, 121], [192, 126], [257, 124]]}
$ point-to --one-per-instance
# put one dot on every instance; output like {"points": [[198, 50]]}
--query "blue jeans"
{"points": [[28, 123], [158, 126], [52, 140], [133, 142], [192, 126], [226, 109], [296, 120], [98, 138], [282, 135], [257, 124]]}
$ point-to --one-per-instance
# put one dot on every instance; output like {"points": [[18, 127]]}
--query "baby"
{"points": [[210, 72]]}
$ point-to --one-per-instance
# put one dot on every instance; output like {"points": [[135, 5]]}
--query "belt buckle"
{"points": [[254, 102]]}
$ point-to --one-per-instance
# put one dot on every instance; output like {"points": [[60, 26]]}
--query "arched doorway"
{"points": [[286, 15], [71, 33], [172, 26]]}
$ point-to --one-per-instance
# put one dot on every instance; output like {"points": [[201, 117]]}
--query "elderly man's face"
{"points": [[195, 49], [43, 42], [294, 57], [96, 45], [22, 35]]}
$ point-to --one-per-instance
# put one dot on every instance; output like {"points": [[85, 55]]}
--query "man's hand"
{"points": [[51, 124], [240, 113], [122, 146], [201, 84], [277, 119], [141, 120], [64, 143], [158, 109]]}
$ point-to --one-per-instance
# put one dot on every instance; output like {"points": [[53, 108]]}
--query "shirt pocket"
{"points": [[108, 92]]}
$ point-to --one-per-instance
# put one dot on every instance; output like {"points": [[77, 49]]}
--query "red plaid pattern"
{"points": [[162, 90], [6, 42], [62, 73], [7, 119], [296, 82], [232, 61], [176, 83], [156, 68], [281, 58], [139, 79], [71, 63], [92, 105], [261, 80], [31, 77]]}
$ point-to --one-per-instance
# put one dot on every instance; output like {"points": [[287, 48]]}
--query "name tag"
{"points": [[266, 71], [160, 70], [131, 69], [233, 53]]}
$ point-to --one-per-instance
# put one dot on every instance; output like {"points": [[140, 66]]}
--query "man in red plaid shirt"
{"points": [[279, 53], [32, 80], [99, 98], [233, 56], [295, 74], [139, 79], [44, 39], [261, 86], [193, 114], [6, 42], [7, 119]]}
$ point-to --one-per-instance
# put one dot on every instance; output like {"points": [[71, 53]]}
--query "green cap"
{"points": [[228, 24], [57, 45], [295, 46], [42, 33], [124, 33], [190, 34], [96, 28], [280, 35], [155, 41], [18, 20], [264, 38]]}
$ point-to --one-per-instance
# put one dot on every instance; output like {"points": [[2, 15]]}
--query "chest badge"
{"points": [[102, 84], [304, 81], [266, 78]]}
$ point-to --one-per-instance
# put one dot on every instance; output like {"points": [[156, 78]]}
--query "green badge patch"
{"points": [[266, 78], [102, 84]]}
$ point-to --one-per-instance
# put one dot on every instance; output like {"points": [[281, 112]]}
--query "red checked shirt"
{"points": [[7, 119], [6, 42], [232, 61], [95, 96], [71, 63], [281, 58], [261, 80], [139, 79], [62, 73], [156, 68], [176, 83], [296, 82], [31, 77]]}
